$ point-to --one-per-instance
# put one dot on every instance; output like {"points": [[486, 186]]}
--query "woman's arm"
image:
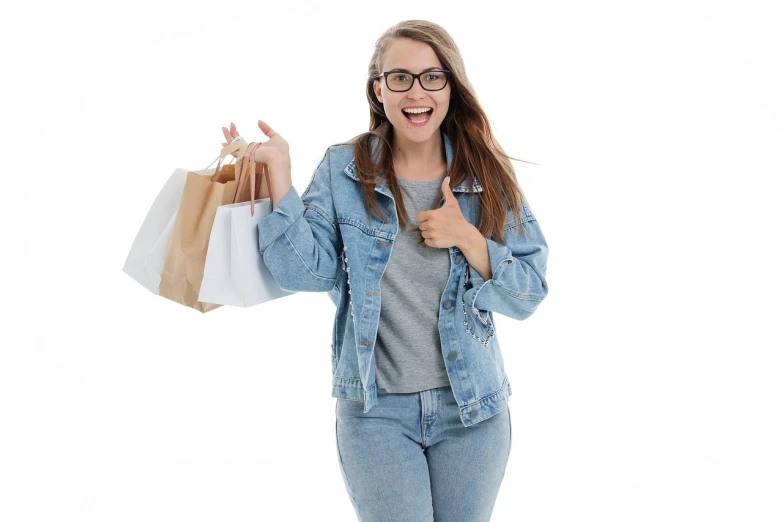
{"points": [[299, 240]]}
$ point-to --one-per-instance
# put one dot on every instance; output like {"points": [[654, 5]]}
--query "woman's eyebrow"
{"points": [[407, 71]]}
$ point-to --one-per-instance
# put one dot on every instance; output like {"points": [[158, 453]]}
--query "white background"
{"points": [[645, 388]]}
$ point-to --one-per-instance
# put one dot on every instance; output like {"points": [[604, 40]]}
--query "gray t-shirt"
{"points": [[408, 354]]}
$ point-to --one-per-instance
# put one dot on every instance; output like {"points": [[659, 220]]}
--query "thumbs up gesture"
{"points": [[446, 226]]}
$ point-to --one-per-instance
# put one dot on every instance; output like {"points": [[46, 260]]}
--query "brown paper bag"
{"points": [[183, 270]]}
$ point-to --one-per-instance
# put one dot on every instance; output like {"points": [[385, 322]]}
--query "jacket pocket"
{"points": [[483, 319], [474, 280], [480, 322], [483, 316]]}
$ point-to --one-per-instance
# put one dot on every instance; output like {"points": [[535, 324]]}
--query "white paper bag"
{"points": [[159, 218], [234, 271]]}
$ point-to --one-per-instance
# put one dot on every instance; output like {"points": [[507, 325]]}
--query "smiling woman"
{"points": [[422, 426], [404, 453]]}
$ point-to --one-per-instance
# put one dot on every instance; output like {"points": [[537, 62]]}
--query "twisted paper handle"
{"points": [[249, 170]]}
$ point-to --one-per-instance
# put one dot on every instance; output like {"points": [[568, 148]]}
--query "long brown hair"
{"points": [[475, 150]]}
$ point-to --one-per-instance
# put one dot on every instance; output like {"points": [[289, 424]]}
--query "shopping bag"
{"points": [[159, 221], [183, 268], [144, 262], [234, 271]]}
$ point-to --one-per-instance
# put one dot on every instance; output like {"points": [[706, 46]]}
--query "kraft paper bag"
{"points": [[148, 252], [183, 269]]}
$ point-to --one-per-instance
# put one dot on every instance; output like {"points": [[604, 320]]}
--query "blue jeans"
{"points": [[410, 458]]}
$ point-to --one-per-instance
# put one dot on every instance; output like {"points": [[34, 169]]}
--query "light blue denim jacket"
{"points": [[324, 242]]}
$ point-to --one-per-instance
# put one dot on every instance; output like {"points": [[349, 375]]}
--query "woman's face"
{"points": [[414, 57]]}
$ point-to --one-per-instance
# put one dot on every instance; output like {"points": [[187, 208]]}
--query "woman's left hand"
{"points": [[446, 226]]}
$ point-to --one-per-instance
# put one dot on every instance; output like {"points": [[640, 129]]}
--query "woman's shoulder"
{"points": [[346, 150], [343, 146], [347, 144], [341, 154]]}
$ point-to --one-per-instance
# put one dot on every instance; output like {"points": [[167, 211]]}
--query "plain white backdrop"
{"points": [[645, 388]]}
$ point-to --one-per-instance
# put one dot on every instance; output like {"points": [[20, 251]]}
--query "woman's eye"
{"points": [[400, 78]]}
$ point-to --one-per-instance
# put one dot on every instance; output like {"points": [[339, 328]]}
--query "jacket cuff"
{"points": [[288, 210], [500, 257], [518, 283]]}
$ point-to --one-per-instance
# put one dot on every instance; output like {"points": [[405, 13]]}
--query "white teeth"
{"points": [[415, 111]]}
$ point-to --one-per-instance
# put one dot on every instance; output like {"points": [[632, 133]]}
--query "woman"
{"points": [[423, 426]]}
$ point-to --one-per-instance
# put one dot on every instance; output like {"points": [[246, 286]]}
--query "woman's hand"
{"points": [[274, 153]]}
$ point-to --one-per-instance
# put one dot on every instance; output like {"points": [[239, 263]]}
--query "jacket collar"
{"points": [[350, 170]]}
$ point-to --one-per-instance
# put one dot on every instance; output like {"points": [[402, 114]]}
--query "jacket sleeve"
{"points": [[299, 240], [518, 283]]}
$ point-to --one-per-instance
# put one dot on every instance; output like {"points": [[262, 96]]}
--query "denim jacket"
{"points": [[323, 241]]}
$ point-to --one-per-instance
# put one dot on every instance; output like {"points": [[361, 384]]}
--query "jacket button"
{"points": [[473, 414], [452, 356], [458, 259], [447, 305]]}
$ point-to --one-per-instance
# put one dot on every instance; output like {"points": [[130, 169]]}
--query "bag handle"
{"points": [[236, 144], [228, 149], [247, 164], [264, 173], [249, 167]]}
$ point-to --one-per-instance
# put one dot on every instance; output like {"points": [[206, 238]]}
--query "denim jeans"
{"points": [[410, 458]]}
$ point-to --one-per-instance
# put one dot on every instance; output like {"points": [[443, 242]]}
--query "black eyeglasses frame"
{"points": [[385, 77]]}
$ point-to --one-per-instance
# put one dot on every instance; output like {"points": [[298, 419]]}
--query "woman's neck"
{"points": [[418, 160]]}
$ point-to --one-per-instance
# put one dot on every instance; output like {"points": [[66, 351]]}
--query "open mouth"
{"points": [[420, 118]]}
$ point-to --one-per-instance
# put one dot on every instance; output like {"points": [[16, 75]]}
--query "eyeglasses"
{"points": [[433, 80]]}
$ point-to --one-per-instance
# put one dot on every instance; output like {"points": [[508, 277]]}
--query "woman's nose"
{"points": [[416, 91]]}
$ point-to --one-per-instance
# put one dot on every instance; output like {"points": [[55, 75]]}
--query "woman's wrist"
{"points": [[279, 189]]}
